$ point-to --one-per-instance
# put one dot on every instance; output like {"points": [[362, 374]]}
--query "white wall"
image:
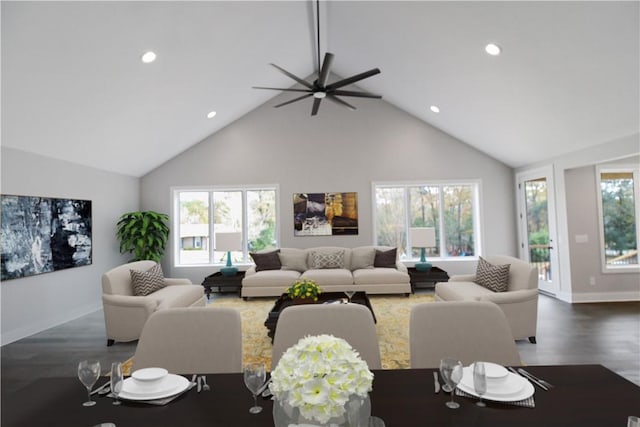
{"points": [[32, 304], [582, 211], [338, 150], [574, 258]]}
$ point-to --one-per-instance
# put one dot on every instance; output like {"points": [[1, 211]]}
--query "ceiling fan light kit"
{"points": [[319, 89]]}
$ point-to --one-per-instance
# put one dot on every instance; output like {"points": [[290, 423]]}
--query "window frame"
{"points": [[622, 168], [476, 185], [211, 189]]}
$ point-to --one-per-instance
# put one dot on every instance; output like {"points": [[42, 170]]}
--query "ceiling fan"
{"points": [[319, 89]]}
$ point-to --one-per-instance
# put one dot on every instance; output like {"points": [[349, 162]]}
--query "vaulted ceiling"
{"points": [[73, 85]]}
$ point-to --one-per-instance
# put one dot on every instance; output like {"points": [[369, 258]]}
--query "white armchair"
{"points": [[125, 313], [519, 303]]}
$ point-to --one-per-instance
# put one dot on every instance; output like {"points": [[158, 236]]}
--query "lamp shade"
{"points": [[423, 237], [228, 241]]}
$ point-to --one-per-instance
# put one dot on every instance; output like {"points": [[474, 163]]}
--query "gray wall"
{"points": [[338, 150], [35, 303], [582, 212]]}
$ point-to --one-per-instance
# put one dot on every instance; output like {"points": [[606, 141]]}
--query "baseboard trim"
{"points": [[604, 297]]}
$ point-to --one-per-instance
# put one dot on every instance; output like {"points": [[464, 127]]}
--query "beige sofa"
{"points": [[125, 314], [357, 272], [519, 303]]}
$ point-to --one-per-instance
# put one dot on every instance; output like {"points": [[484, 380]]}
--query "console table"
{"points": [[429, 278], [223, 283]]}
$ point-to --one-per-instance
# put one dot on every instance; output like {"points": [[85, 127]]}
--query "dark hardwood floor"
{"points": [[603, 333]]}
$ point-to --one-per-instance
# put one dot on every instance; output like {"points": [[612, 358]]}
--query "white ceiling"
{"points": [[73, 86]]}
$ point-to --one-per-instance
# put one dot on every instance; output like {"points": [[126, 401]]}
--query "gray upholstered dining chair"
{"points": [[465, 330], [352, 322], [194, 340]]}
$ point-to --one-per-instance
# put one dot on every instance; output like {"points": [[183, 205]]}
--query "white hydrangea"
{"points": [[318, 374]]}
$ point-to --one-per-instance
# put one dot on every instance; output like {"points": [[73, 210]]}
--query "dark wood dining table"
{"points": [[584, 395]]}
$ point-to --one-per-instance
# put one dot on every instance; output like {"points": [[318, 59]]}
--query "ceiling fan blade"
{"points": [[356, 94], [326, 68], [353, 79], [293, 100], [294, 77], [340, 101], [316, 106], [281, 88]]}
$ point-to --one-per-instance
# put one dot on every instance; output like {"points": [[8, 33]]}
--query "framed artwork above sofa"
{"points": [[325, 214]]}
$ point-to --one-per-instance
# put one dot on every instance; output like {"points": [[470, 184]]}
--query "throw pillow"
{"points": [[362, 257], [266, 260], [147, 282], [493, 277], [293, 259], [385, 259], [323, 260]]}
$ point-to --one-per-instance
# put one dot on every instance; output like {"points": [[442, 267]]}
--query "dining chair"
{"points": [[194, 340], [464, 330], [352, 322]]}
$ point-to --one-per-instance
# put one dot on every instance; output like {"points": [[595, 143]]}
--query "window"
{"points": [[452, 209], [201, 213], [618, 208]]}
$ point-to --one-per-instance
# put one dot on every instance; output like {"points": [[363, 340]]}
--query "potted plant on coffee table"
{"points": [[143, 233], [304, 291]]}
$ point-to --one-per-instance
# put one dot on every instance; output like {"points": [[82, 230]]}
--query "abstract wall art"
{"points": [[325, 214], [43, 234]]}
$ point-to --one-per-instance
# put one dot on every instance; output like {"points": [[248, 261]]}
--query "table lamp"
{"points": [[423, 237], [228, 242]]}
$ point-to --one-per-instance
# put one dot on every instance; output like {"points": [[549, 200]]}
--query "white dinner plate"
{"points": [[513, 389], [171, 385]]}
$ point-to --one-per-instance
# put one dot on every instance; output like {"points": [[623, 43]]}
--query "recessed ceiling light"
{"points": [[493, 49], [148, 57], [434, 108], [211, 114]]}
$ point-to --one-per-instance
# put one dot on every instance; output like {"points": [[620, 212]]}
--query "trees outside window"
{"points": [[202, 213], [618, 209], [449, 208]]}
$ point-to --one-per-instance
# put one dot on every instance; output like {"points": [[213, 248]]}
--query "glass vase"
{"points": [[357, 414]]}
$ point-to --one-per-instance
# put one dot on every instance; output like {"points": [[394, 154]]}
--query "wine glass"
{"points": [[88, 373], [479, 381], [116, 381], [349, 294], [254, 378], [451, 371]]}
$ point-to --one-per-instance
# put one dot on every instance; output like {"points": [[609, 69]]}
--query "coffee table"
{"points": [[284, 301]]}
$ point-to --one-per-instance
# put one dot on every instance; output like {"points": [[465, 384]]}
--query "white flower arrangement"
{"points": [[317, 376]]}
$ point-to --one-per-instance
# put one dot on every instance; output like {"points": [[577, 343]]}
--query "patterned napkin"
{"points": [[527, 403]]}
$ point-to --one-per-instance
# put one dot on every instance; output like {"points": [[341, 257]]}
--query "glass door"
{"points": [[537, 226]]}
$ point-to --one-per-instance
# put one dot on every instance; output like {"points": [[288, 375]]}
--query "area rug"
{"points": [[392, 314]]}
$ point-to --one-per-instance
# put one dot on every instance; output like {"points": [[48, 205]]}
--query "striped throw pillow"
{"points": [[493, 277], [147, 282]]}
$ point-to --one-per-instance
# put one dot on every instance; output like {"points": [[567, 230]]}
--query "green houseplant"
{"points": [[304, 289], [144, 234]]}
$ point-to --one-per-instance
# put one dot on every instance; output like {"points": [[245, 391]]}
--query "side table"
{"points": [[426, 279], [223, 283]]}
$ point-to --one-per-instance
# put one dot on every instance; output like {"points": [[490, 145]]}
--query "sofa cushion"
{"points": [[385, 259], [329, 277], [266, 260], [362, 257], [459, 291], [493, 277], [379, 276], [322, 260], [178, 296], [266, 278], [144, 283], [293, 259]]}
